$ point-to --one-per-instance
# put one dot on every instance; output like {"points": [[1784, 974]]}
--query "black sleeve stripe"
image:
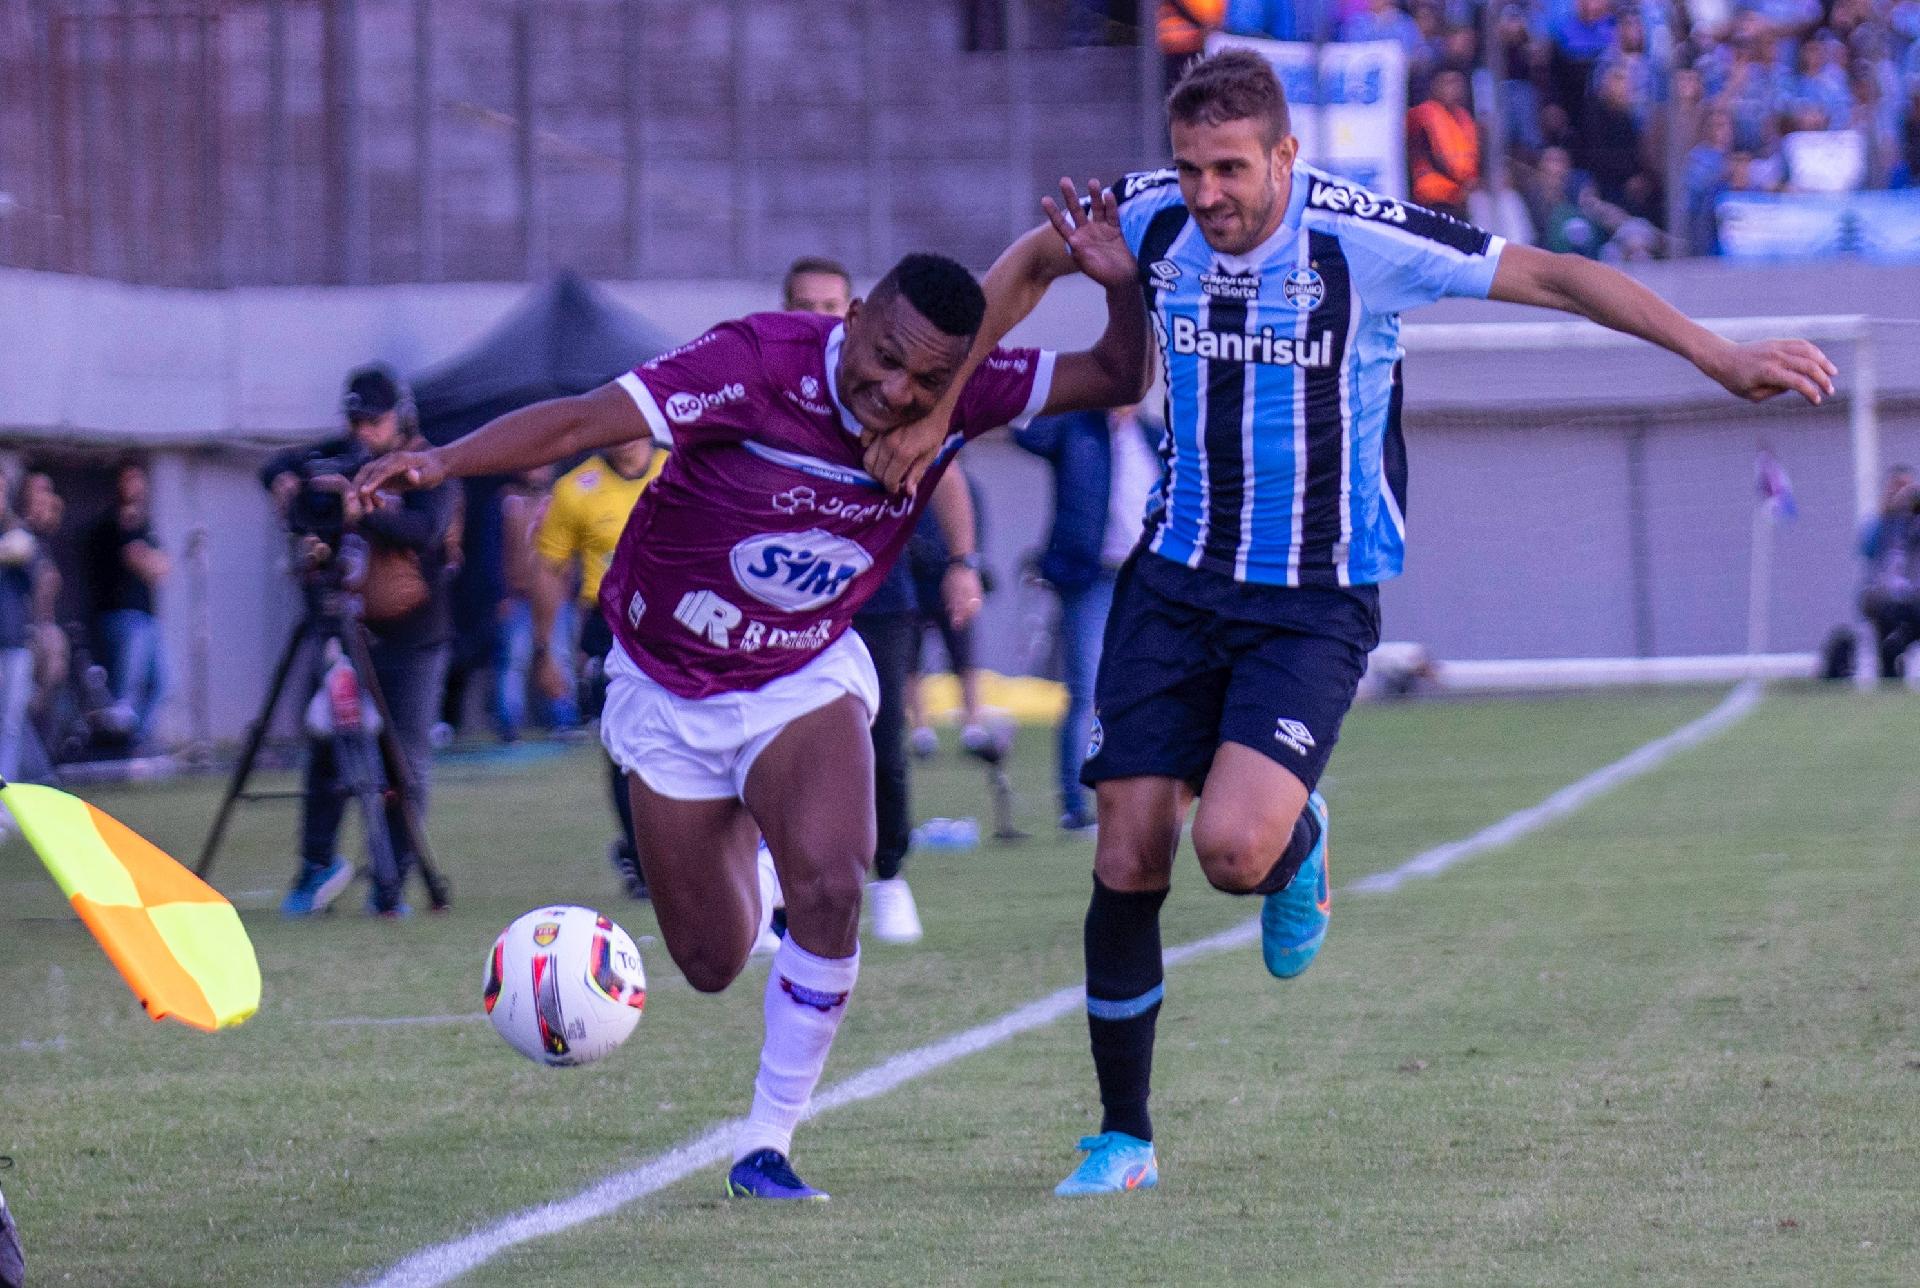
{"points": [[1358, 203], [1446, 230]]}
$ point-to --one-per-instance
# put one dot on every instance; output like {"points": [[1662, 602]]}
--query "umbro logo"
{"points": [[1293, 734]]}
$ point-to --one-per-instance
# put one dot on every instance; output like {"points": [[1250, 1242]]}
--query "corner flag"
{"points": [[175, 940]]}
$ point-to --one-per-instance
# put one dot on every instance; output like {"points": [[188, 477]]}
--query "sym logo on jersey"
{"points": [[798, 571], [1353, 201], [1164, 272], [1263, 346], [1231, 286], [685, 408]]}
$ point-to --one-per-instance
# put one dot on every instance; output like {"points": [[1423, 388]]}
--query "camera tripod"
{"points": [[370, 766]]}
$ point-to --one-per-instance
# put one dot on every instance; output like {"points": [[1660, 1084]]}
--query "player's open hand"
{"points": [[900, 459], [1091, 229], [1765, 368], [399, 472]]}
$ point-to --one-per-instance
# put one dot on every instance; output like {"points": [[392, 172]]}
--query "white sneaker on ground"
{"points": [[923, 742], [896, 920]]}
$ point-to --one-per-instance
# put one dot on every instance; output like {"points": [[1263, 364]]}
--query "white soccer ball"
{"points": [[564, 985]]}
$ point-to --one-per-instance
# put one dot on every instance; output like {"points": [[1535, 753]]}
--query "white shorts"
{"points": [[696, 749]]}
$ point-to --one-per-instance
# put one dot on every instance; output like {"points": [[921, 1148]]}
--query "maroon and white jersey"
{"points": [[764, 534]]}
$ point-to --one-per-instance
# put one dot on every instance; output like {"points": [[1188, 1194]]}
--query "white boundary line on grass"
{"points": [[442, 1263]]}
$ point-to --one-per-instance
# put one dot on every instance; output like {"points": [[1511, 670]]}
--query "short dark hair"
{"points": [[813, 264], [941, 289], [1232, 85]]}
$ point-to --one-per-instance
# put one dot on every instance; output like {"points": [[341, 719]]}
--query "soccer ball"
{"points": [[564, 985]]}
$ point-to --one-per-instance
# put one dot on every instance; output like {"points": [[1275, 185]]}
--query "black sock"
{"points": [[1306, 835], [1124, 985]]}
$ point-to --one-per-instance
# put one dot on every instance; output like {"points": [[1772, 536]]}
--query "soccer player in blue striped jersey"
{"points": [[1242, 623]]}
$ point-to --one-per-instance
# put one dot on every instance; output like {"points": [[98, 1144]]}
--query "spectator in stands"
{"points": [[1612, 146], [24, 565], [1821, 82], [42, 511], [1383, 20], [1709, 167], [1890, 595], [126, 568], [1183, 29], [1443, 147], [1303, 20], [1560, 207], [1103, 468], [1909, 165], [1581, 36], [1646, 74]]}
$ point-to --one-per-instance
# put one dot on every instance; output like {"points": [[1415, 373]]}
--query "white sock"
{"points": [[805, 1001]]}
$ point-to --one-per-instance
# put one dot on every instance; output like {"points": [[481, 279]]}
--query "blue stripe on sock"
{"points": [[1101, 1009]]}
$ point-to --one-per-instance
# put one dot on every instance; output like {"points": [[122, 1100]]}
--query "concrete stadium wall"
{"points": [[1544, 521]]}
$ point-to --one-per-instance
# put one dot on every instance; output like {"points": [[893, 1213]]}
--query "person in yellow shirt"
{"points": [[575, 539]]}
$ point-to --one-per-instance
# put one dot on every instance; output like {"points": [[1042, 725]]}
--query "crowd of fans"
{"points": [[80, 673], [1603, 104]]}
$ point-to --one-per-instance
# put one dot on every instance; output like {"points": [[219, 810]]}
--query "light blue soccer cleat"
{"points": [[1115, 1163], [1293, 921]]}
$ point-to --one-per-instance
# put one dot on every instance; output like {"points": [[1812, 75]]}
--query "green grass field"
{"points": [[1674, 1039]]}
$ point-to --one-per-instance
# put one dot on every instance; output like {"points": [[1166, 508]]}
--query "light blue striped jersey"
{"points": [[1282, 463]]}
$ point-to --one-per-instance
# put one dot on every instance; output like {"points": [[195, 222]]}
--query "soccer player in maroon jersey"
{"points": [[738, 701]]}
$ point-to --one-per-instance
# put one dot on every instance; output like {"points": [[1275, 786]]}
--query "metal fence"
{"points": [[239, 142]]}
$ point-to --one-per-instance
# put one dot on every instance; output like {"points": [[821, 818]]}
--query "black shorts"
{"points": [[1193, 659]]}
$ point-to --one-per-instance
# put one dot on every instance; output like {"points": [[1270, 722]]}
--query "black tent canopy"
{"points": [[563, 339]]}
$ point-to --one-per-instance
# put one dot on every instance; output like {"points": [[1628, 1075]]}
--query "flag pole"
{"points": [[1759, 578]]}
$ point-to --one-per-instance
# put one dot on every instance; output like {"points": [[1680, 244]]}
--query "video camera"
{"points": [[318, 509]]}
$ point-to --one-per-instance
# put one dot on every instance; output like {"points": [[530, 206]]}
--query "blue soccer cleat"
{"points": [[317, 886], [766, 1174], [1115, 1163], [1293, 921]]}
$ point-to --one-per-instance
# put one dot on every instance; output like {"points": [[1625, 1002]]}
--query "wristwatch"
{"points": [[968, 561]]}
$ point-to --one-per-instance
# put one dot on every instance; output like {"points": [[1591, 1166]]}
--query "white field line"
{"points": [[1574, 796], [396, 1021], [442, 1263]]}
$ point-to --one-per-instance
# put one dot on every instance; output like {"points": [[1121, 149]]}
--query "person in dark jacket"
{"points": [[412, 533], [1103, 468]]}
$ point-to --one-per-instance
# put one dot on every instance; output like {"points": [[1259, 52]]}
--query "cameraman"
{"points": [[401, 553]]}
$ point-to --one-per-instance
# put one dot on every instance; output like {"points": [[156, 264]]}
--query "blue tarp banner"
{"points": [[1872, 225]]}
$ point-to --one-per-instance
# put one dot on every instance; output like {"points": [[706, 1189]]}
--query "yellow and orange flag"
{"points": [[178, 943]]}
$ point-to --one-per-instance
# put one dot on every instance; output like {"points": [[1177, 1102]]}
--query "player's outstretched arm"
{"points": [[1755, 371], [520, 440]]}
